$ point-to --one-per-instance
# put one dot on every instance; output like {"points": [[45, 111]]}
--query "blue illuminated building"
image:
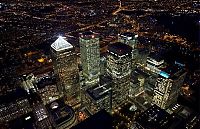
{"points": [[167, 87]]}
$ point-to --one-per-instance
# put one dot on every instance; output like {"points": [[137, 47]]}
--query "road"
{"points": [[87, 27]]}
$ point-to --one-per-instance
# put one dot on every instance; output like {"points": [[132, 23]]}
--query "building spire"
{"points": [[61, 44]]}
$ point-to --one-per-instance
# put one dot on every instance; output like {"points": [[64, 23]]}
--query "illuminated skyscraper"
{"points": [[119, 68], [131, 40], [66, 69], [90, 57], [167, 87], [155, 62], [97, 98], [136, 84]]}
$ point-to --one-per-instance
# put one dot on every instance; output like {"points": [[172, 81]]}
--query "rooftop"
{"points": [[119, 49], [156, 56], [61, 44], [128, 34], [88, 35], [153, 117], [60, 112], [172, 71], [97, 92]]}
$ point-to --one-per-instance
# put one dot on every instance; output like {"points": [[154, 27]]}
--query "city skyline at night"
{"points": [[100, 64]]}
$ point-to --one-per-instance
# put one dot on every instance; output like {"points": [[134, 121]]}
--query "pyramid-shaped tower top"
{"points": [[61, 44]]}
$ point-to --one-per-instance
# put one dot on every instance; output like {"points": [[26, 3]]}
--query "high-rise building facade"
{"points": [[167, 87], [119, 68], [131, 40], [90, 57], [155, 62], [66, 69], [136, 84], [99, 96]]}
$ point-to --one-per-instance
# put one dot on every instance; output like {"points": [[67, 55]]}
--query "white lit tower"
{"points": [[90, 57], [119, 68], [167, 87], [130, 39], [66, 69]]}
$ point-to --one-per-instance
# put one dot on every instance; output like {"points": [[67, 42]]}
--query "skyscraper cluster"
{"points": [[118, 70], [121, 72], [109, 81], [66, 70], [90, 57]]}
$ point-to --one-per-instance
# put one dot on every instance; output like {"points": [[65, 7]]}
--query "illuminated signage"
{"points": [[164, 74]]}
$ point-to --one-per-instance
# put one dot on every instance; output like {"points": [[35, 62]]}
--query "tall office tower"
{"points": [[99, 96], [155, 62], [119, 68], [90, 57], [167, 87], [66, 69], [131, 40], [136, 84]]}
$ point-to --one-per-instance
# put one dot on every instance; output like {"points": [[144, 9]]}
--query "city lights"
{"points": [[87, 64]]}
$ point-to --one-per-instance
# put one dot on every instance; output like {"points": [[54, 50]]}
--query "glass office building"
{"points": [[66, 69], [119, 68], [90, 57]]}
